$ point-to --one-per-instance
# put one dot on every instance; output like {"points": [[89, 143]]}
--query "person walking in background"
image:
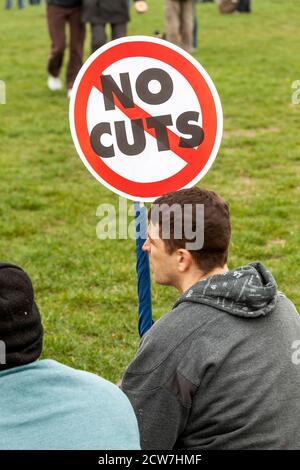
{"points": [[195, 27], [179, 18], [101, 12], [9, 4], [21, 3], [59, 13], [244, 6], [43, 403]]}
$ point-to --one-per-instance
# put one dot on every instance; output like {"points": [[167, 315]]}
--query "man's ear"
{"points": [[184, 259]]}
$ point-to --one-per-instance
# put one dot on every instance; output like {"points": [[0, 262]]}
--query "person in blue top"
{"points": [[45, 404]]}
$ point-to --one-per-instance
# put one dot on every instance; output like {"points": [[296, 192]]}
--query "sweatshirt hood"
{"points": [[249, 291]]}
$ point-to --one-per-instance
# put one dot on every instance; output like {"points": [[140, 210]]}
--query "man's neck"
{"points": [[190, 279]]}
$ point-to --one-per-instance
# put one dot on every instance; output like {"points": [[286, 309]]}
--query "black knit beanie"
{"points": [[21, 331]]}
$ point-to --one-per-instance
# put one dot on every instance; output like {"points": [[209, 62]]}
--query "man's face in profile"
{"points": [[162, 264]]}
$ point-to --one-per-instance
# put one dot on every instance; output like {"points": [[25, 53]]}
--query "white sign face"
{"points": [[145, 117]]}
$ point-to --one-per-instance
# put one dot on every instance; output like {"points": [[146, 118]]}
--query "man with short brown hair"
{"points": [[170, 209], [220, 370]]}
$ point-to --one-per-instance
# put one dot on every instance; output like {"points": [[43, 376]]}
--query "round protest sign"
{"points": [[145, 117]]}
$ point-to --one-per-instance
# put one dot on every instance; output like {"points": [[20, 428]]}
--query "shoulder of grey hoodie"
{"points": [[194, 338]]}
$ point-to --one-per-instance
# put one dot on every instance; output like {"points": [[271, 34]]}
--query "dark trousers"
{"points": [[57, 18], [99, 37], [9, 4], [244, 6]]}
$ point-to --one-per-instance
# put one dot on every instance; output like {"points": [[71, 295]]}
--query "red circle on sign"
{"points": [[197, 159]]}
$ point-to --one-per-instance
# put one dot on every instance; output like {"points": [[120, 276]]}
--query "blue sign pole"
{"points": [[143, 270]]}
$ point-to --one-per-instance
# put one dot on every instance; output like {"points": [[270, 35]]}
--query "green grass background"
{"points": [[86, 288]]}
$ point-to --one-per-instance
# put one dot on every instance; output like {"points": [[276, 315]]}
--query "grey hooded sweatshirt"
{"points": [[222, 369]]}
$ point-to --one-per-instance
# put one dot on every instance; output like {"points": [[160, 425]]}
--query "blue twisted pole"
{"points": [[143, 270]]}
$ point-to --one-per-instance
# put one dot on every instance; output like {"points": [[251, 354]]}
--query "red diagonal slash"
{"points": [[138, 113]]}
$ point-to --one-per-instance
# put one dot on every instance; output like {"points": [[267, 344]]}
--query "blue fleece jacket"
{"points": [[46, 405]]}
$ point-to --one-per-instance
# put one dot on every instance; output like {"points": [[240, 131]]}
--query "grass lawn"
{"points": [[86, 288]]}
